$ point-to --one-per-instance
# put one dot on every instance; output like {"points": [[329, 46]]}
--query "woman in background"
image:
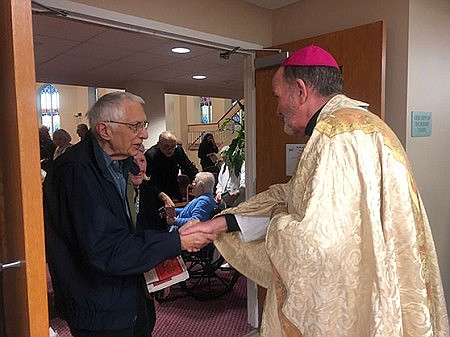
{"points": [[207, 152], [62, 139]]}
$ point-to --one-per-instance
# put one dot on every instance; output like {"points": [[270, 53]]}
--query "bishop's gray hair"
{"points": [[326, 80]]}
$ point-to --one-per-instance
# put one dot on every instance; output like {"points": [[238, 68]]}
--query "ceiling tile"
{"points": [[72, 52], [64, 28]]}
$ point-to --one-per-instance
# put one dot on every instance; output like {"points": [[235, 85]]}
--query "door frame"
{"points": [[21, 215]]}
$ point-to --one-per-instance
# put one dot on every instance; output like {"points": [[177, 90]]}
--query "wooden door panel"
{"points": [[21, 220], [359, 51]]}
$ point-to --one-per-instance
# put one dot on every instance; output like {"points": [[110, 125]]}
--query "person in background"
{"points": [[201, 207], [47, 147], [147, 202], [344, 247], [164, 161], [230, 189], [145, 215], [82, 130], [62, 139], [96, 259], [207, 152]]}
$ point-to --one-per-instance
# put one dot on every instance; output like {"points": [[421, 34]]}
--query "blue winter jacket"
{"points": [[95, 260]]}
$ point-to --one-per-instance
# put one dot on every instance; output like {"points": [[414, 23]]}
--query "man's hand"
{"points": [[214, 226], [170, 215], [194, 242]]}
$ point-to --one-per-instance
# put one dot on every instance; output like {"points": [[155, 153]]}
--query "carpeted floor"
{"points": [[179, 315], [183, 316]]}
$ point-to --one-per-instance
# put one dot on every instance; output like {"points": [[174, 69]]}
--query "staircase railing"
{"points": [[196, 131]]}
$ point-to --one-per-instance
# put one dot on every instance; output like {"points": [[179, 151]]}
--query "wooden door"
{"points": [[360, 53], [24, 293]]}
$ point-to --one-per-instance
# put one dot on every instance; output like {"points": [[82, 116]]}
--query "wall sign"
{"points": [[293, 152], [420, 124]]}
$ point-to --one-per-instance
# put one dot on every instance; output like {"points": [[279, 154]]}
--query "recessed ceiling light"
{"points": [[181, 50], [199, 77]]}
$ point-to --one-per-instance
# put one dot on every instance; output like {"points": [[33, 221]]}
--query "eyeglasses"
{"points": [[136, 127]]}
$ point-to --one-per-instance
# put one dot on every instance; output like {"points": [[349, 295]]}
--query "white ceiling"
{"points": [[79, 53]]}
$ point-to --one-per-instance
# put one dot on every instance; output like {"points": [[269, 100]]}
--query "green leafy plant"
{"points": [[235, 154]]}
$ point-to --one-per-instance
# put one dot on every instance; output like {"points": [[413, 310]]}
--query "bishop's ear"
{"points": [[302, 90]]}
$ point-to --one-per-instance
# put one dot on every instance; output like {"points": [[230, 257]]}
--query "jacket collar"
{"points": [[103, 159]]}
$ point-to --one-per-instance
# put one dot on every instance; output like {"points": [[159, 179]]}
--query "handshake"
{"points": [[195, 235]]}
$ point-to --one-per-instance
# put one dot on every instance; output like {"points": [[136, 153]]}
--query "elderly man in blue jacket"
{"points": [[95, 256]]}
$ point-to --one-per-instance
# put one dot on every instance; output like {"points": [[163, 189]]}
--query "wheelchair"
{"points": [[210, 276]]}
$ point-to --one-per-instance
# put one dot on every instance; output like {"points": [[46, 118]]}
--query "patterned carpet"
{"points": [[179, 315]]}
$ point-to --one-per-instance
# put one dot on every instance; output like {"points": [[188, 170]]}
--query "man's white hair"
{"points": [[110, 107]]}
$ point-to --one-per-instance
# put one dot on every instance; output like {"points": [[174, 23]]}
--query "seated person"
{"points": [[164, 161], [199, 208], [145, 202], [230, 189]]}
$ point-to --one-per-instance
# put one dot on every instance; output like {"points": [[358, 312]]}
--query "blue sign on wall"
{"points": [[420, 124]]}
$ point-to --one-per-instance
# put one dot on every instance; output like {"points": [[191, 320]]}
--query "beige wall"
{"points": [[153, 95], [230, 18], [429, 90]]}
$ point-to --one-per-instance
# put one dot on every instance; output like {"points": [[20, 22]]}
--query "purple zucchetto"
{"points": [[310, 56]]}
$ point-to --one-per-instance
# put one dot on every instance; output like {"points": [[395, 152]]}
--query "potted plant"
{"points": [[235, 154]]}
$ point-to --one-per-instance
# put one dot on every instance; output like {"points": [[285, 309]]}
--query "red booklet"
{"points": [[165, 274]]}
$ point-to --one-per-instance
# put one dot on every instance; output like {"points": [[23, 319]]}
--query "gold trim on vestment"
{"points": [[349, 120]]}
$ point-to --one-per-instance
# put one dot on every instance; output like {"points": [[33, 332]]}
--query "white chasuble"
{"points": [[354, 255]]}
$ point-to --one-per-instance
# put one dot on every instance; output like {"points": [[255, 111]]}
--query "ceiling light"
{"points": [[181, 50], [199, 77]]}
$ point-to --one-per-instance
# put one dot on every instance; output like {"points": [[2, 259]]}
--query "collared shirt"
{"points": [[118, 169]]}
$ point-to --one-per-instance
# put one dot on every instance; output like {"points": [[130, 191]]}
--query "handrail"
{"points": [[232, 111], [195, 131]]}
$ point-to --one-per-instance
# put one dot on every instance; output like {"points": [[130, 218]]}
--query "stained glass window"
{"points": [[206, 109], [49, 99]]}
